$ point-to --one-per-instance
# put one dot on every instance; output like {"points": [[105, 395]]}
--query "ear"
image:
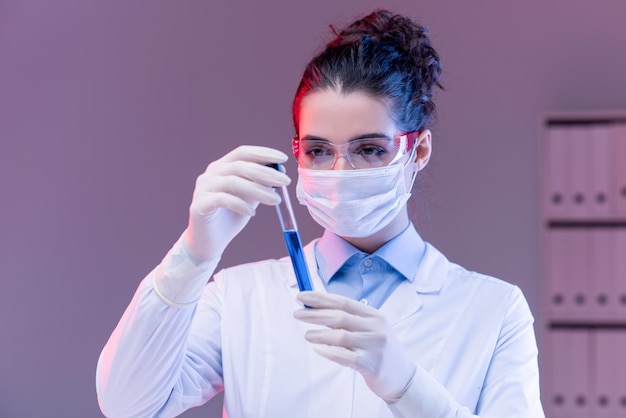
{"points": [[424, 149]]}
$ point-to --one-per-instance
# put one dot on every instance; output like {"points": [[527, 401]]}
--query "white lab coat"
{"points": [[469, 333]]}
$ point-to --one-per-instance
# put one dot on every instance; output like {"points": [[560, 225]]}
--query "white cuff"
{"points": [[179, 280], [426, 397]]}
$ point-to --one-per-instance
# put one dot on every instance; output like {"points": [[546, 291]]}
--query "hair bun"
{"points": [[401, 33], [385, 54]]}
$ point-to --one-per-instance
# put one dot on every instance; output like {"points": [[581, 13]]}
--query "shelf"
{"points": [[585, 223], [587, 325], [584, 117], [583, 263]]}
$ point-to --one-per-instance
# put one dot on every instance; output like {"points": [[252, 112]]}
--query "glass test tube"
{"points": [[292, 237]]}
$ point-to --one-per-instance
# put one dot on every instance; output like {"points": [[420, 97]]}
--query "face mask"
{"points": [[353, 203]]}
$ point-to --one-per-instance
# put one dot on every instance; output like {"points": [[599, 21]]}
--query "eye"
{"points": [[317, 149], [370, 149]]}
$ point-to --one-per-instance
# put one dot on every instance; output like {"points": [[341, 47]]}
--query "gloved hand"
{"points": [[360, 337], [226, 197]]}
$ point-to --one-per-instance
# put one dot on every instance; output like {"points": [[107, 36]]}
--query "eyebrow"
{"points": [[364, 136]]}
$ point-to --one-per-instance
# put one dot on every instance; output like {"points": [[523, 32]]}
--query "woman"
{"points": [[396, 329]]}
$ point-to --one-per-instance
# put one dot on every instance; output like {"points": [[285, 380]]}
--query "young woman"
{"points": [[395, 329]]}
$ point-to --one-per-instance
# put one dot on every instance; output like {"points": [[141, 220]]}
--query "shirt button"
{"points": [[363, 301], [367, 262]]}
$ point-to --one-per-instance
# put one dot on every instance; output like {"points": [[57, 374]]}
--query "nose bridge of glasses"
{"points": [[342, 153], [342, 162]]}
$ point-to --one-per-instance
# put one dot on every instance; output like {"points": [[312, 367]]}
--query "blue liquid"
{"points": [[294, 246]]}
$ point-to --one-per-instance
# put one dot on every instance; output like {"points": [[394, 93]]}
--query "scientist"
{"points": [[396, 329]]}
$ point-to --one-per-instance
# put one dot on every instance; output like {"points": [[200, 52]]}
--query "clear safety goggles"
{"points": [[319, 154]]}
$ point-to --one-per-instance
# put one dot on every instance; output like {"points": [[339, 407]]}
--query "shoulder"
{"points": [[437, 272], [454, 282], [459, 275]]}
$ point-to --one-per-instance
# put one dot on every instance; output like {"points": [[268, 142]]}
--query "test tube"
{"points": [[292, 237]]}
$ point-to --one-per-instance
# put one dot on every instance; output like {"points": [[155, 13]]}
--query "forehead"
{"points": [[339, 117]]}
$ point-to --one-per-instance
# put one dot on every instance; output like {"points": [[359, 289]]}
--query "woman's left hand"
{"points": [[360, 337]]}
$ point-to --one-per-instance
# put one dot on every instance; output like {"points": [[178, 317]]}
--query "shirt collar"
{"points": [[404, 253]]}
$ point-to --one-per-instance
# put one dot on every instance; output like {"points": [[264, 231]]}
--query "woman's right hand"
{"points": [[226, 197]]}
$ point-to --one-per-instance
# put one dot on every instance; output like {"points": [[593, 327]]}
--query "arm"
{"points": [[146, 368], [358, 336], [150, 366], [511, 386]]}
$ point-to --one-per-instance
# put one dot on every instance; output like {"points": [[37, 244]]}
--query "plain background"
{"points": [[109, 110]]}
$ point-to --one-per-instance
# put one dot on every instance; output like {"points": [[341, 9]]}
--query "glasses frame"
{"points": [[405, 142]]}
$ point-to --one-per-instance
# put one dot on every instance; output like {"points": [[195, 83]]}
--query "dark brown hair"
{"points": [[385, 55]]}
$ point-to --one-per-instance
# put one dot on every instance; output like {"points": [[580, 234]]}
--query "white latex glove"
{"points": [[360, 337], [226, 197]]}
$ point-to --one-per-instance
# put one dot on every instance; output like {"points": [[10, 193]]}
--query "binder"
{"points": [[578, 169], [619, 277], [578, 281], [568, 374], [620, 365], [554, 390], [619, 164], [608, 373], [601, 273], [556, 158], [601, 198], [568, 256], [556, 266]]}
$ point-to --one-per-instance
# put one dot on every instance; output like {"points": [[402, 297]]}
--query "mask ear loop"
{"points": [[411, 157]]}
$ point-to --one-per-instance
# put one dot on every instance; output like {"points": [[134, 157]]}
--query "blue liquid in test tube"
{"points": [[294, 246], [292, 238]]}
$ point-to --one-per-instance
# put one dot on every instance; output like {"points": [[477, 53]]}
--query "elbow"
{"points": [[109, 403], [113, 398], [114, 406], [117, 399]]}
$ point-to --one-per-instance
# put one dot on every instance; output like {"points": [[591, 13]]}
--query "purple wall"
{"points": [[109, 112]]}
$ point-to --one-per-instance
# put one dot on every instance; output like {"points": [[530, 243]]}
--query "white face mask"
{"points": [[353, 203]]}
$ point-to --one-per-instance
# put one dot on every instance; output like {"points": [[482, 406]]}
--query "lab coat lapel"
{"points": [[402, 303], [429, 278]]}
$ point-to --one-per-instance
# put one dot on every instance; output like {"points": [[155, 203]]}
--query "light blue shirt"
{"points": [[370, 278]]}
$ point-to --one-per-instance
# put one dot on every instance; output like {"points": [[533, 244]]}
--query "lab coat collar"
{"points": [[405, 300], [429, 278], [432, 271]]}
